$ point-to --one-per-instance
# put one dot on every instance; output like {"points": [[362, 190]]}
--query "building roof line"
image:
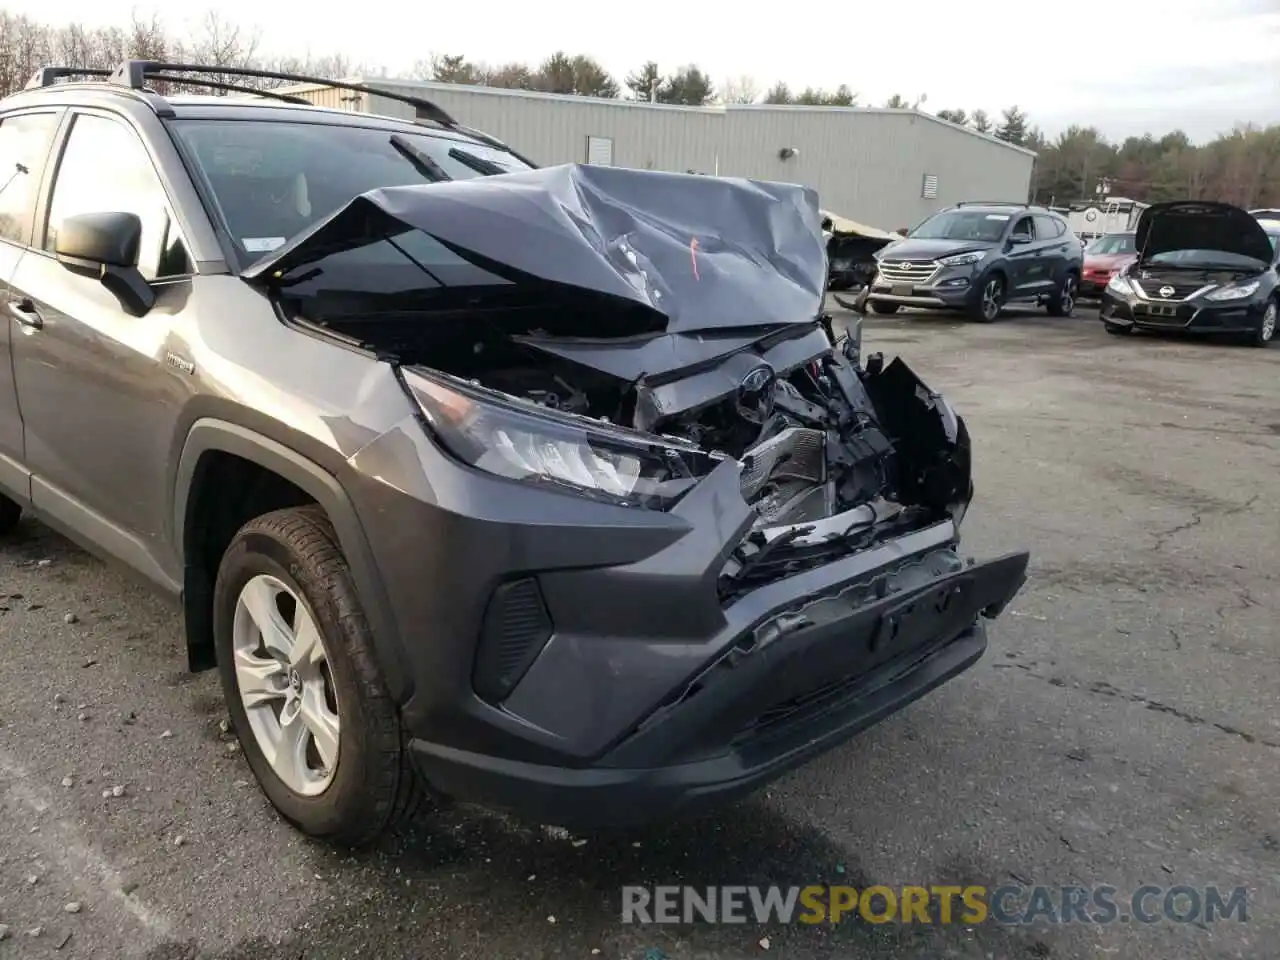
{"points": [[719, 109]]}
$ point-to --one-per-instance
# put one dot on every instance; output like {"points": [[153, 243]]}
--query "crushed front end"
{"points": [[674, 537], [815, 587]]}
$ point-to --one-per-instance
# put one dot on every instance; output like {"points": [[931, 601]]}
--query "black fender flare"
{"points": [[220, 436]]}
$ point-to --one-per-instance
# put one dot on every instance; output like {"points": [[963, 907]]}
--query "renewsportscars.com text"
{"points": [[1010, 904]]}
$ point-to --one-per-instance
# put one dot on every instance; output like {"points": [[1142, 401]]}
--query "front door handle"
{"points": [[25, 312]]}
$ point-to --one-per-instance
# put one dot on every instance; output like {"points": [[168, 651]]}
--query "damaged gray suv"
{"points": [[552, 490]]}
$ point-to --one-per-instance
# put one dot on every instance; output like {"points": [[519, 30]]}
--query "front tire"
{"points": [[1063, 302], [10, 514], [303, 688], [1266, 331], [990, 300], [879, 306]]}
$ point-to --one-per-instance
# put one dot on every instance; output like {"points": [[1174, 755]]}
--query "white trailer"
{"points": [[1090, 220]]}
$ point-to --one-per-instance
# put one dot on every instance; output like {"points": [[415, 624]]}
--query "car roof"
{"points": [[238, 107], [997, 207], [131, 88]]}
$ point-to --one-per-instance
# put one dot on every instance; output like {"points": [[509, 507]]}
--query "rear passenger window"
{"points": [[1047, 228], [105, 168], [24, 148]]}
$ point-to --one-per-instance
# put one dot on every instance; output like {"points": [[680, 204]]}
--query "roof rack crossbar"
{"points": [[48, 76], [133, 73]]}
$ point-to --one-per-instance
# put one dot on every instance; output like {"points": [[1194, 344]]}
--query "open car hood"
{"points": [[702, 252], [1201, 225], [843, 226]]}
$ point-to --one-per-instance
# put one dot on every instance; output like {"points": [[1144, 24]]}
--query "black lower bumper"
{"points": [[791, 690], [610, 797], [1196, 317]]}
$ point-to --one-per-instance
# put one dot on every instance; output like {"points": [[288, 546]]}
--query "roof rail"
{"points": [[48, 76], [134, 73], [993, 203]]}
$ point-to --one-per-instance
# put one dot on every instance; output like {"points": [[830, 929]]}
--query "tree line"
{"points": [[1240, 167]]}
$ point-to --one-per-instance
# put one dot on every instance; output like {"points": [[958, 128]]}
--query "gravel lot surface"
{"points": [[1124, 727]]}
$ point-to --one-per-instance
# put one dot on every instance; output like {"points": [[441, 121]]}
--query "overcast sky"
{"points": [[1128, 66]]}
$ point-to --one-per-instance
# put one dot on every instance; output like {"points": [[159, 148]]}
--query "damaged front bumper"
{"points": [[585, 664], [799, 667]]}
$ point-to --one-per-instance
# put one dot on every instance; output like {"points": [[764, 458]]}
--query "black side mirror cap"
{"points": [[107, 238], [105, 245]]}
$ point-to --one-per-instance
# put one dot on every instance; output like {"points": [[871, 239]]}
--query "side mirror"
{"points": [[105, 245], [1019, 240]]}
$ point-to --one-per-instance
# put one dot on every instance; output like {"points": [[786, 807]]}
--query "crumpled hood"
{"points": [[704, 252], [1201, 225]]}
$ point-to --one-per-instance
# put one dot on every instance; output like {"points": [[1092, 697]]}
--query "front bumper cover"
{"points": [[1188, 316], [818, 668], [947, 287]]}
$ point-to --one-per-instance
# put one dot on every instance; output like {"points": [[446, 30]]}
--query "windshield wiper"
{"points": [[479, 164], [420, 159]]}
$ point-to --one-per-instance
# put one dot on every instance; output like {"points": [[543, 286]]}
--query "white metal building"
{"points": [[889, 168]]}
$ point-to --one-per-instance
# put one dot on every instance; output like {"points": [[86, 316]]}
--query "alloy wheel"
{"points": [[282, 672], [1068, 298], [992, 298], [1268, 329]]}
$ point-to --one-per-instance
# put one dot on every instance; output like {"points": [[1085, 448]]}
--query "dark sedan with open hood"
{"points": [[1202, 267], [550, 489]]}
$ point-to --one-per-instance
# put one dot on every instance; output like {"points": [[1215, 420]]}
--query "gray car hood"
{"points": [[703, 252]]}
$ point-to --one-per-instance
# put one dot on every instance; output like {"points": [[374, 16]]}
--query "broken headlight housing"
{"points": [[520, 440]]}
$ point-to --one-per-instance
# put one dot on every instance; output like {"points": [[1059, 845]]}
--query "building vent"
{"points": [[929, 190], [600, 151]]}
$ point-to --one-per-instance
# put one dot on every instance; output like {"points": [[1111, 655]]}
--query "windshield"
{"points": [[1113, 243], [962, 225], [273, 179]]}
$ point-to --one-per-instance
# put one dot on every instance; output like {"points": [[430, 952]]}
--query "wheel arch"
{"points": [[995, 270], [207, 441]]}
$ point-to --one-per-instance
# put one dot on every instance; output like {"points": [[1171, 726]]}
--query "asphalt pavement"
{"points": [[1123, 728]]}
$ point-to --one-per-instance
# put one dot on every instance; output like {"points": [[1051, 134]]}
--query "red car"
{"points": [[1102, 258]]}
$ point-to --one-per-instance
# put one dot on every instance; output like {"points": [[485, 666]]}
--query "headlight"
{"points": [[962, 259], [1234, 292], [508, 438], [1119, 284]]}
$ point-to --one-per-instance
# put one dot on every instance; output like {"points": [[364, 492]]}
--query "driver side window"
{"points": [[104, 167], [1023, 228]]}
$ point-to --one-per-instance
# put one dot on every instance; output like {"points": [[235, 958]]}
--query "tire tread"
{"points": [[395, 791]]}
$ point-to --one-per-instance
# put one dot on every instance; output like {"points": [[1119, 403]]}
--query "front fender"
{"points": [[211, 435]]}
